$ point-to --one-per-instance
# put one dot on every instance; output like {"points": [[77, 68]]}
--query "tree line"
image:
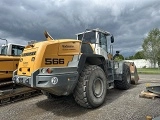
{"points": [[150, 48], [138, 55]]}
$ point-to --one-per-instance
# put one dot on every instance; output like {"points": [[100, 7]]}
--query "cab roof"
{"points": [[95, 30]]}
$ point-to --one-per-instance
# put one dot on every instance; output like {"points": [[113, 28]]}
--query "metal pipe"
{"points": [[5, 40]]}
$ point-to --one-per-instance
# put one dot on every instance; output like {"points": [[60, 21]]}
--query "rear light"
{"points": [[48, 70]]}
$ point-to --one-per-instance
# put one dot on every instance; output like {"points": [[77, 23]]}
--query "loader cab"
{"points": [[98, 39], [12, 49], [89, 36], [4, 49]]}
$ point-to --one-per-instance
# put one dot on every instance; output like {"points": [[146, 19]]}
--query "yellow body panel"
{"points": [[7, 65], [69, 48], [53, 53]]}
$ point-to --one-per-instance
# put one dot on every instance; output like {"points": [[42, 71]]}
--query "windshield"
{"points": [[88, 37], [4, 50], [17, 50]]}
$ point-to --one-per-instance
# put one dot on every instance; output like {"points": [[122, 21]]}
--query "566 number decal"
{"points": [[50, 61]]}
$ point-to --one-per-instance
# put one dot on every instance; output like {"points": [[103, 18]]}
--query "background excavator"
{"points": [[9, 59]]}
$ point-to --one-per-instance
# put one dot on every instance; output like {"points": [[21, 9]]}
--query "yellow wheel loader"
{"points": [[83, 67]]}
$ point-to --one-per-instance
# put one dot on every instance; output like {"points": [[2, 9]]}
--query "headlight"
{"points": [[17, 80], [46, 70], [43, 70], [14, 79]]}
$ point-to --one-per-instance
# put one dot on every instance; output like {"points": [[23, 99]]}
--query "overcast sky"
{"points": [[128, 20]]}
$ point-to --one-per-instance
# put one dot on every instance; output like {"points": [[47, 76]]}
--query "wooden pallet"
{"points": [[147, 94]]}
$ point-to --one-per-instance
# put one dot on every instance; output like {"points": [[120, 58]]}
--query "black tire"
{"points": [[125, 83], [91, 88], [133, 82]]}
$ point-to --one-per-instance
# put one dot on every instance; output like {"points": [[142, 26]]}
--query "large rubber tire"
{"points": [[91, 88], [125, 83]]}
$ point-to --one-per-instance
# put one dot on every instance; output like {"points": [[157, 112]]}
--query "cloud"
{"points": [[129, 21], [12, 39]]}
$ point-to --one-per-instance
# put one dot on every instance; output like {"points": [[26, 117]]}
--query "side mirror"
{"points": [[112, 39]]}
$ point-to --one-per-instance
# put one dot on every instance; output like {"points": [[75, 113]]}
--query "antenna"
{"points": [[48, 36]]}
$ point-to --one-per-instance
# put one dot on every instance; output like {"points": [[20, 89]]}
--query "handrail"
{"points": [[5, 40]]}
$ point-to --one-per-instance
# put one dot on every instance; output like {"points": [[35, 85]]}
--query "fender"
{"points": [[92, 59]]}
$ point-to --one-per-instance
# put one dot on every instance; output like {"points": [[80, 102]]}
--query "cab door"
{"points": [[16, 51], [103, 50]]}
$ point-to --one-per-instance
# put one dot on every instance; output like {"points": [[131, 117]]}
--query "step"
{"points": [[111, 85]]}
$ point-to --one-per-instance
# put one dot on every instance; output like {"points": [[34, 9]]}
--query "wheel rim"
{"points": [[98, 87]]}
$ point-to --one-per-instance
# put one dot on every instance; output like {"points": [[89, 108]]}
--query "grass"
{"points": [[148, 70]]}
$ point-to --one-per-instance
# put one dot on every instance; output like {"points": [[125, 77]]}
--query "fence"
{"points": [[142, 63]]}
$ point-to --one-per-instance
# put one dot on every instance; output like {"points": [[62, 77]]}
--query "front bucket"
{"points": [[134, 73]]}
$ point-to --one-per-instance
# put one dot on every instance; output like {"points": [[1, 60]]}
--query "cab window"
{"points": [[4, 50], [17, 50], [103, 41], [88, 37]]}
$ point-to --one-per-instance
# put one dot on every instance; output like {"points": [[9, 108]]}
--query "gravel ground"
{"points": [[119, 105]]}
